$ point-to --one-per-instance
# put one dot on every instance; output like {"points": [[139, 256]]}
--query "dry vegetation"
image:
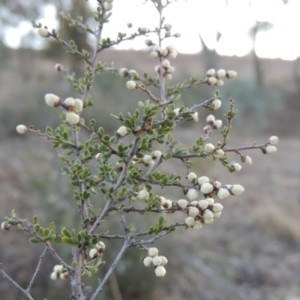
{"points": [[252, 252]]}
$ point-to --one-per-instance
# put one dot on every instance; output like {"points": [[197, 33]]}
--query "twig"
{"points": [[24, 292], [36, 270]]}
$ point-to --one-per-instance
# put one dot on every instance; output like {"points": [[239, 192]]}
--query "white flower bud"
{"points": [[273, 140], [208, 221], [211, 72], [153, 251], [147, 159], [236, 167], [5, 226], [98, 155], [107, 6], [54, 276], [93, 253], [123, 72], [147, 261], [208, 214], [202, 179], [162, 200], [52, 100], [206, 188], [219, 153], [217, 184], [69, 102], [193, 211], [160, 271], [157, 261], [189, 221], [168, 204], [220, 82], [195, 117], [100, 246], [216, 104], [182, 203], [166, 63], [134, 74], [129, 24], [164, 52], [58, 268], [153, 54], [171, 70], [142, 29], [194, 203], [43, 32], [211, 80], [168, 26], [217, 215], [217, 207], [122, 131], [221, 74], [131, 85], [177, 35], [72, 118], [21, 129], [191, 176], [198, 225], [64, 275], [173, 54], [58, 67], [169, 76], [192, 194], [247, 160], [149, 42], [78, 106], [203, 204], [237, 189], [223, 193], [210, 119], [209, 148], [156, 154], [143, 195], [231, 74], [218, 124], [164, 260], [271, 149], [176, 111], [210, 201]]}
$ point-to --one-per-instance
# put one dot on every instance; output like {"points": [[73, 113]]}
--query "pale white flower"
{"points": [[216, 104], [182, 203], [72, 118], [52, 100], [21, 129], [271, 149], [193, 211], [191, 176], [273, 140], [153, 251], [189, 221], [209, 148], [203, 204], [131, 84], [206, 188], [202, 179], [221, 74], [223, 193], [192, 194], [160, 271], [143, 195], [122, 131]]}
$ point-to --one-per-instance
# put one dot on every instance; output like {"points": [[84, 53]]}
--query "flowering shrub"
{"points": [[120, 172]]}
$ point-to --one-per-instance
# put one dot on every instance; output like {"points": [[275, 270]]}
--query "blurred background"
{"points": [[252, 251]]}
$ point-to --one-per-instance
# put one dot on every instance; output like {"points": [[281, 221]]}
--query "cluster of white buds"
{"points": [[124, 72], [153, 259], [204, 211], [169, 51], [270, 149], [108, 5], [5, 226], [73, 106], [210, 188], [98, 251], [166, 69], [165, 203], [212, 123], [149, 160], [59, 272], [214, 77]]}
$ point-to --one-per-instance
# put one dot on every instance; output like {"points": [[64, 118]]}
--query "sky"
{"points": [[232, 18]]}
